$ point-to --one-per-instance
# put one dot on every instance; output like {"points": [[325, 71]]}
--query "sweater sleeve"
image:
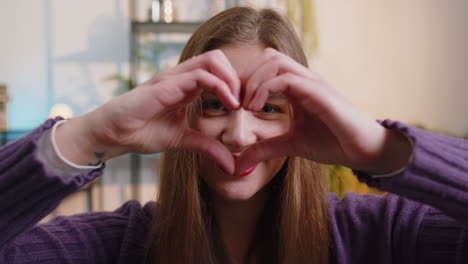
{"points": [[437, 175], [423, 219], [372, 228], [27, 191], [91, 238]]}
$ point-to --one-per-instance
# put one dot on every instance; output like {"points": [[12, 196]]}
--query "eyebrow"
{"points": [[209, 93], [271, 97], [276, 97]]}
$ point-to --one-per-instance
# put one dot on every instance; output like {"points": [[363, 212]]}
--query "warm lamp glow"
{"points": [[168, 11], [62, 110]]}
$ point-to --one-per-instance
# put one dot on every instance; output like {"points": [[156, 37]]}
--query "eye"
{"points": [[213, 106], [270, 109]]}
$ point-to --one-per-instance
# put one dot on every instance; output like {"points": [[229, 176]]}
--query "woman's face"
{"points": [[238, 129]]}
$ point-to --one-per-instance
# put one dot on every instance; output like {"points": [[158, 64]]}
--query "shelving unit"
{"points": [[138, 28], [151, 27]]}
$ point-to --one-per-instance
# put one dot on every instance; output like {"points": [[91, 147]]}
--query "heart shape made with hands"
{"points": [[313, 125], [324, 128]]}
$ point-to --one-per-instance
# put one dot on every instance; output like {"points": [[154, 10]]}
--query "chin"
{"points": [[244, 188], [228, 188], [235, 192]]}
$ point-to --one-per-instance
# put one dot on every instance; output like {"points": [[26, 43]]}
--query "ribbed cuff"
{"points": [[27, 192], [437, 175], [54, 161]]}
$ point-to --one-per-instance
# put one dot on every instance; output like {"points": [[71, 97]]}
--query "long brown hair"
{"points": [[296, 229]]}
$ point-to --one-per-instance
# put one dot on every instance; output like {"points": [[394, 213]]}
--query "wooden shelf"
{"points": [[152, 27]]}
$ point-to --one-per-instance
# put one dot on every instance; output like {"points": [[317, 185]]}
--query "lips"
{"points": [[248, 171]]}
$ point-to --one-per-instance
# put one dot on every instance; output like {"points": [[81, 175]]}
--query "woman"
{"points": [[242, 96]]}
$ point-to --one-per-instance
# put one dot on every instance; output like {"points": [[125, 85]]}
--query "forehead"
{"points": [[243, 56]]}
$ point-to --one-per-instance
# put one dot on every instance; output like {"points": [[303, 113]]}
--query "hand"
{"points": [[325, 128], [151, 118]]}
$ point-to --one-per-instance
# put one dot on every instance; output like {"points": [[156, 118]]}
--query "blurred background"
{"points": [[403, 60]]}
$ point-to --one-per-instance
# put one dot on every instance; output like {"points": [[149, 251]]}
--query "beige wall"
{"points": [[399, 59]]}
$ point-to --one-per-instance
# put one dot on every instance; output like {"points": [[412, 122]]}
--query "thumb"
{"points": [[264, 150], [194, 140]]}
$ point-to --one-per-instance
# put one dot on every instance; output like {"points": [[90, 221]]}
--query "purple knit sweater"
{"points": [[425, 222]]}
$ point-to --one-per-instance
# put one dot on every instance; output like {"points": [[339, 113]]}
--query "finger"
{"points": [[267, 54], [262, 70], [211, 82], [215, 62], [302, 92], [262, 74], [264, 150], [274, 64], [187, 86], [316, 100], [196, 141]]}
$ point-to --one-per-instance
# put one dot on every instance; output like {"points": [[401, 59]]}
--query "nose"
{"points": [[239, 131]]}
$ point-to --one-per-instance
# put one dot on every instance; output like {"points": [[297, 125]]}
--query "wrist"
{"points": [[76, 142], [395, 154]]}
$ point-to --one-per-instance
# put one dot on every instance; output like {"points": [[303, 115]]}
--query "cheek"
{"points": [[210, 127], [274, 128]]}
